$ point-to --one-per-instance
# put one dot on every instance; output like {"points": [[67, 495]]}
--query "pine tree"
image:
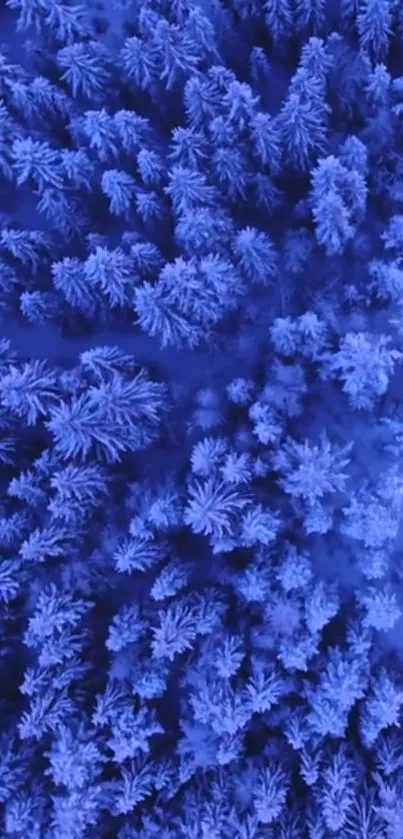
{"points": [[100, 129], [12, 529], [40, 307], [150, 208], [203, 230], [69, 278], [30, 13], [387, 277], [66, 23], [176, 632], [303, 131], [342, 683], [113, 418], [295, 571], [132, 728], [354, 155], [259, 527], [135, 785], [119, 188], [316, 59], [257, 255], [178, 54], [240, 391], [85, 68], [50, 102], [139, 62], [363, 819], [337, 790], [174, 577], [38, 162], [216, 704], [381, 709], [312, 471], [201, 32], [240, 105], [27, 487], [212, 507], [75, 758], [126, 628], [333, 226], [138, 554], [78, 491], [378, 88], [22, 99], [310, 14], [78, 168], [188, 147], [270, 794], [150, 166], [188, 189], [11, 580], [279, 20], [132, 130], [31, 391], [321, 605], [8, 133], [381, 607], [191, 296], [237, 468], [29, 247], [158, 316], [374, 22], [202, 99], [230, 171], [264, 688], [266, 143], [55, 610], [147, 258], [49, 542], [207, 455], [201, 102], [364, 363], [63, 213], [111, 271], [104, 362], [338, 196]]}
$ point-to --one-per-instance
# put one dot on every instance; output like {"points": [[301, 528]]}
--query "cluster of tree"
{"points": [[200, 582]]}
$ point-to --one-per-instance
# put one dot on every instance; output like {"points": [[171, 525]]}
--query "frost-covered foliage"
{"points": [[201, 419]]}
